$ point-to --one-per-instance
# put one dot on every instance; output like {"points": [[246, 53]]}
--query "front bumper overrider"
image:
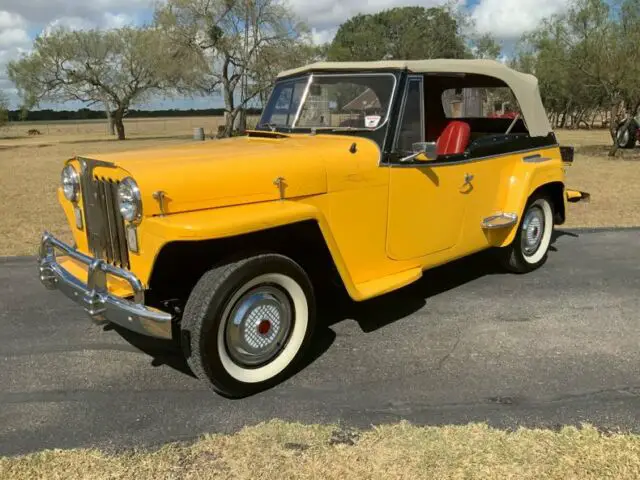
{"points": [[94, 296]]}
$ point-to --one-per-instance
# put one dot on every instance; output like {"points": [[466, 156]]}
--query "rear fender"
{"points": [[524, 183]]}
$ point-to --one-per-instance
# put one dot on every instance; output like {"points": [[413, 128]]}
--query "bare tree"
{"points": [[115, 68], [236, 45]]}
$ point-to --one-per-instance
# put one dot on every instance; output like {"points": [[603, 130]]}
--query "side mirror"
{"points": [[423, 152]]}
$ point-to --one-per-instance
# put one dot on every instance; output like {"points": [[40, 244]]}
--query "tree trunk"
{"points": [[580, 119], [230, 110], [118, 116], [613, 127], [242, 120], [112, 127], [563, 123]]}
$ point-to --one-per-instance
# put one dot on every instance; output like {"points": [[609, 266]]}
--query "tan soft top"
{"points": [[524, 86]]}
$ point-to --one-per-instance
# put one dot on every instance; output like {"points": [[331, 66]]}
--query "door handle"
{"points": [[468, 178]]}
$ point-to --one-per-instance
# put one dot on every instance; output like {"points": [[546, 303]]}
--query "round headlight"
{"points": [[70, 183], [129, 202]]}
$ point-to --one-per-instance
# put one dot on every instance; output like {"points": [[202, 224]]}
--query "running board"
{"points": [[500, 220]]}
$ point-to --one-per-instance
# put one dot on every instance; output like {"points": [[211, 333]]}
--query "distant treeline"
{"points": [[87, 114]]}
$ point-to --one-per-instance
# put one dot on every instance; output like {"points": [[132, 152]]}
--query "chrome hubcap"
{"points": [[258, 326], [532, 230]]}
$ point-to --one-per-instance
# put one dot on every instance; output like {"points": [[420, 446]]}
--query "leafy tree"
{"points": [[115, 68], [486, 47], [238, 46], [588, 62], [407, 33]]}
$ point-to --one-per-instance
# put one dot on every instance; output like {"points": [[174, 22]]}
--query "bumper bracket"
{"points": [[94, 295]]}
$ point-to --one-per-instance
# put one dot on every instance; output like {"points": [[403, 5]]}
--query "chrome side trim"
{"points": [[537, 158], [464, 161], [94, 295], [500, 220]]}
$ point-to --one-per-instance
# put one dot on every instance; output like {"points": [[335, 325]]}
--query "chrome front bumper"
{"points": [[94, 296]]}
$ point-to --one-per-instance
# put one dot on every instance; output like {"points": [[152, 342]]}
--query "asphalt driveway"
{"points": [[556, 347]]}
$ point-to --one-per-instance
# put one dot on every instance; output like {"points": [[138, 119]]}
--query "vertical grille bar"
{"points": [[113, 237], [106, 215], [113, 244], [122, 239]]}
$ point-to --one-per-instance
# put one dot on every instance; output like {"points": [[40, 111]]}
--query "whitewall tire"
{"points": [[530, 247], [248, 323]]}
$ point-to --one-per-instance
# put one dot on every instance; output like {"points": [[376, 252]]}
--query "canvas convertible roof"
{"points": [[524, 86]]}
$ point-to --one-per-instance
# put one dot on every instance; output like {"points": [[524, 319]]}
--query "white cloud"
{"points": [[320, 37], [68, 23], [14, 40], [13, 37], [511, 18], [43, 12], [11, 20], [117, 20]]}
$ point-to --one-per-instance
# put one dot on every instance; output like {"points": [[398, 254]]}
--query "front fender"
{"points": [[232, 221]]}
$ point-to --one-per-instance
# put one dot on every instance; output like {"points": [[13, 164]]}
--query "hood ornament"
{"points": [[159, 196], [281, 184]]}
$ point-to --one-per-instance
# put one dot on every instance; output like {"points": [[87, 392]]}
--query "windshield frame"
{"points": [[294, 128]]}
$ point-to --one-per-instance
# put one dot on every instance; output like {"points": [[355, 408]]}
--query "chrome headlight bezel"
{"points": [[130, 200], [70, 182]]}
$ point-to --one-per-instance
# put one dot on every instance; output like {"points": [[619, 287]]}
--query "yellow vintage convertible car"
{"points": [[370, 172]]}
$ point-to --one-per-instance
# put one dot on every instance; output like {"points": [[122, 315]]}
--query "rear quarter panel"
{"points": [[526, 178]]}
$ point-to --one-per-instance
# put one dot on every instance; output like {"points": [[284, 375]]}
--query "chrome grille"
{"points": [[103, 222], [114, 241]]}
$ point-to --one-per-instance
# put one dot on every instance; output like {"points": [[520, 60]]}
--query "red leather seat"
{"points": [[454, 139]]}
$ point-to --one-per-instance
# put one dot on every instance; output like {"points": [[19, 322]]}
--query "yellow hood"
{"points": [[227, 172]]}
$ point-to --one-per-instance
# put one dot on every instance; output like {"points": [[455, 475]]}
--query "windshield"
{"points": [[330, 101]]}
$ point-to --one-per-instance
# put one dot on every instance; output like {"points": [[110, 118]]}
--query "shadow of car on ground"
{"points": [[335, 306]]}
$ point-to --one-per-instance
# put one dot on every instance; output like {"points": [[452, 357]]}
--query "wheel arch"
{"points": [[552, 187], [555, 192], [180, 263]]}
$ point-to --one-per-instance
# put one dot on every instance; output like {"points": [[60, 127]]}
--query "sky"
{"points": [[22, 20]]}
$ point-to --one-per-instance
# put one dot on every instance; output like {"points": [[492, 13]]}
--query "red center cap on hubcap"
{"points": [[264, 326]]}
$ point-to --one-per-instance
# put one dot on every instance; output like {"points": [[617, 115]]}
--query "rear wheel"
{"points": [[530, 247], [249, 322], [626, 137]]}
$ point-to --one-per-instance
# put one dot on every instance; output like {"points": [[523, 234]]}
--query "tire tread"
{"points": [[196, 318]]}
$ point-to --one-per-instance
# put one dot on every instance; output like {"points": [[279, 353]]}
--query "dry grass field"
{"points": [[30, 173], [278, 450]]}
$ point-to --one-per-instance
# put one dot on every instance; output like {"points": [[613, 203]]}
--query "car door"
{"points": [[426, 200]]}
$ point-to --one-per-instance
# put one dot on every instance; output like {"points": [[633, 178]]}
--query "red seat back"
{"points": [[454, 139]]}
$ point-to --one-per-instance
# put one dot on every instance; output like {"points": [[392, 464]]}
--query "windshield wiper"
{"points": [[271, 126], [350, 129]]}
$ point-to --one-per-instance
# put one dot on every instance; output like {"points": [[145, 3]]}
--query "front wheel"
{"points": [[530, 247], [248, 323]]}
